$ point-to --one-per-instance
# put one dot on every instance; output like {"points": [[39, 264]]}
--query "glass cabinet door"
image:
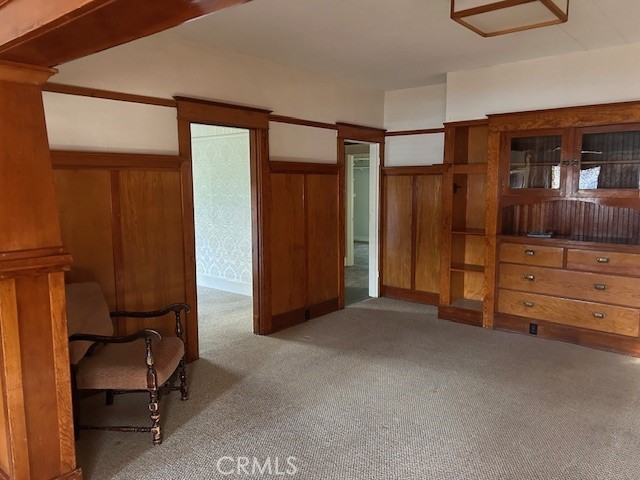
{"points": [[535, 162], [609, 159]]}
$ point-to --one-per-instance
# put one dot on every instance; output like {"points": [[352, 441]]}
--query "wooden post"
{"points": [[36, 424]]}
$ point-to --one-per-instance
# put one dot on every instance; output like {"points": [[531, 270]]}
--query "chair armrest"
{"points": [[146, 333], [176, 308]]}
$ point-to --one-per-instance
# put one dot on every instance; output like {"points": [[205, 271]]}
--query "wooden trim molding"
{"points": [[107, 95], [437, 169], [303, 167], [299, 121], [410, 295], [348, 131], [580, 116], [218, 113], [31, 262], [74, 475], [116, 161], [424, 131], [294, 317], [16, 72]]}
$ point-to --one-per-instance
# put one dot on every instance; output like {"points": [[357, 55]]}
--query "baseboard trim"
{"points": [[564, 333], [301, 315], [460, 315], [410, 295], [75, 475]]}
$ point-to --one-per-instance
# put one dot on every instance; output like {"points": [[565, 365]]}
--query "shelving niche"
{"points": [[464, 213]]}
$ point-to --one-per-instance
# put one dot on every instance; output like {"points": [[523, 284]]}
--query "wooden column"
{"points": [[36, 425]]}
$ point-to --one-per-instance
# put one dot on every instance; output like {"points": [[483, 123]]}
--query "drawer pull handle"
{"points": [[598, 315], [528, 276], [602, 259], [527, 303], [530, 252], [600, 286]]}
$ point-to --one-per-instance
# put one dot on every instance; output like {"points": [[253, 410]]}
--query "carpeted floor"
{"points": [[384, 390], [356, 277]]}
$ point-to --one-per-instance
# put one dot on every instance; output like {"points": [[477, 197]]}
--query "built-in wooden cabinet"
{"points": [[463, 235], [563, 229]]}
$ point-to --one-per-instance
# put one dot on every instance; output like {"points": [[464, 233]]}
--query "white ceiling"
{"points": [[394, 44]]}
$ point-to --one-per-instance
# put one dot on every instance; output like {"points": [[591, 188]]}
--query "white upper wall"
{"points": [[597, 76], [164, 65], [415, 109]]}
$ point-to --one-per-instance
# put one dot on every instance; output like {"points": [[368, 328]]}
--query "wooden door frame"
{"points": [[257, 122], [347, 131]]}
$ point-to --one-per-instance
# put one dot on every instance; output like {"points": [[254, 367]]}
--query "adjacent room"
{"points": [[348, 239]]}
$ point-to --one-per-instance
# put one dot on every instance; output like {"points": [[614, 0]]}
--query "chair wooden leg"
{"points": [[184, 391], [109, 397], [154, 408], [75, 401]]}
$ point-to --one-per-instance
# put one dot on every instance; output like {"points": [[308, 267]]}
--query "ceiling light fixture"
{"points": [[490, 18]]}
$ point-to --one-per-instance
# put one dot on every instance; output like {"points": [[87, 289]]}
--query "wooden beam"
{"points": [[51, 33]]}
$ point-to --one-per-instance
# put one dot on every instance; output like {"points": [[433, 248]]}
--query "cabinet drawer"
{"points": [[603, 261], [577, 313], [596, 287], [531, 254]]}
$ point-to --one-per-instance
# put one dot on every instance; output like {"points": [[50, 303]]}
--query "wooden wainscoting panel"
{"points": [[288, 259], [84, 208], [152, 245], [322, 237], [39, 384], [396, 260], [428, 232]]}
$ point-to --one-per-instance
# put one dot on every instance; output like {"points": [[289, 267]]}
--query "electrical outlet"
{"points": [[533, 328]]}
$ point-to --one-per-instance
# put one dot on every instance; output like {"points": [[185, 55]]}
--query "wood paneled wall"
{"points": [[411, 232], [304, 241], [121, 217]]}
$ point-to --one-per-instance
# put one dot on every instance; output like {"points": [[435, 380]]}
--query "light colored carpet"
{"points": [[356, 277], [384, 390]]}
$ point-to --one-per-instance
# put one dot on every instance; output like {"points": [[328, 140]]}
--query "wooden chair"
{"points": [[143, 361]]}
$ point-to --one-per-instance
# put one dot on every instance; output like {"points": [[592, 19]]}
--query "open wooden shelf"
{"points": [[469, 231], [467, 267], [468, 304]]}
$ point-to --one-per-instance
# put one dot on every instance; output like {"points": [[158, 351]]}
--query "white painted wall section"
{"points": [[299, 143], [584, 78], [83, 123], [165, 64], [415, 109]]}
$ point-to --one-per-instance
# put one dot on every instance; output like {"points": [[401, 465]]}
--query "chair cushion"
{"points": [[121, 366], [87, 312]]}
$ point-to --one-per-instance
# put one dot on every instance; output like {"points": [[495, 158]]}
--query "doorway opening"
{"points": [[361, 229], [221, 170]]}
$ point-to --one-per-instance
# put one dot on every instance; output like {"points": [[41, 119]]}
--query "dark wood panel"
{"points": [[152, 245], [217, 113], [397, 241], [84, 208], [322, 237], [288, 235], [428, 233]]}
